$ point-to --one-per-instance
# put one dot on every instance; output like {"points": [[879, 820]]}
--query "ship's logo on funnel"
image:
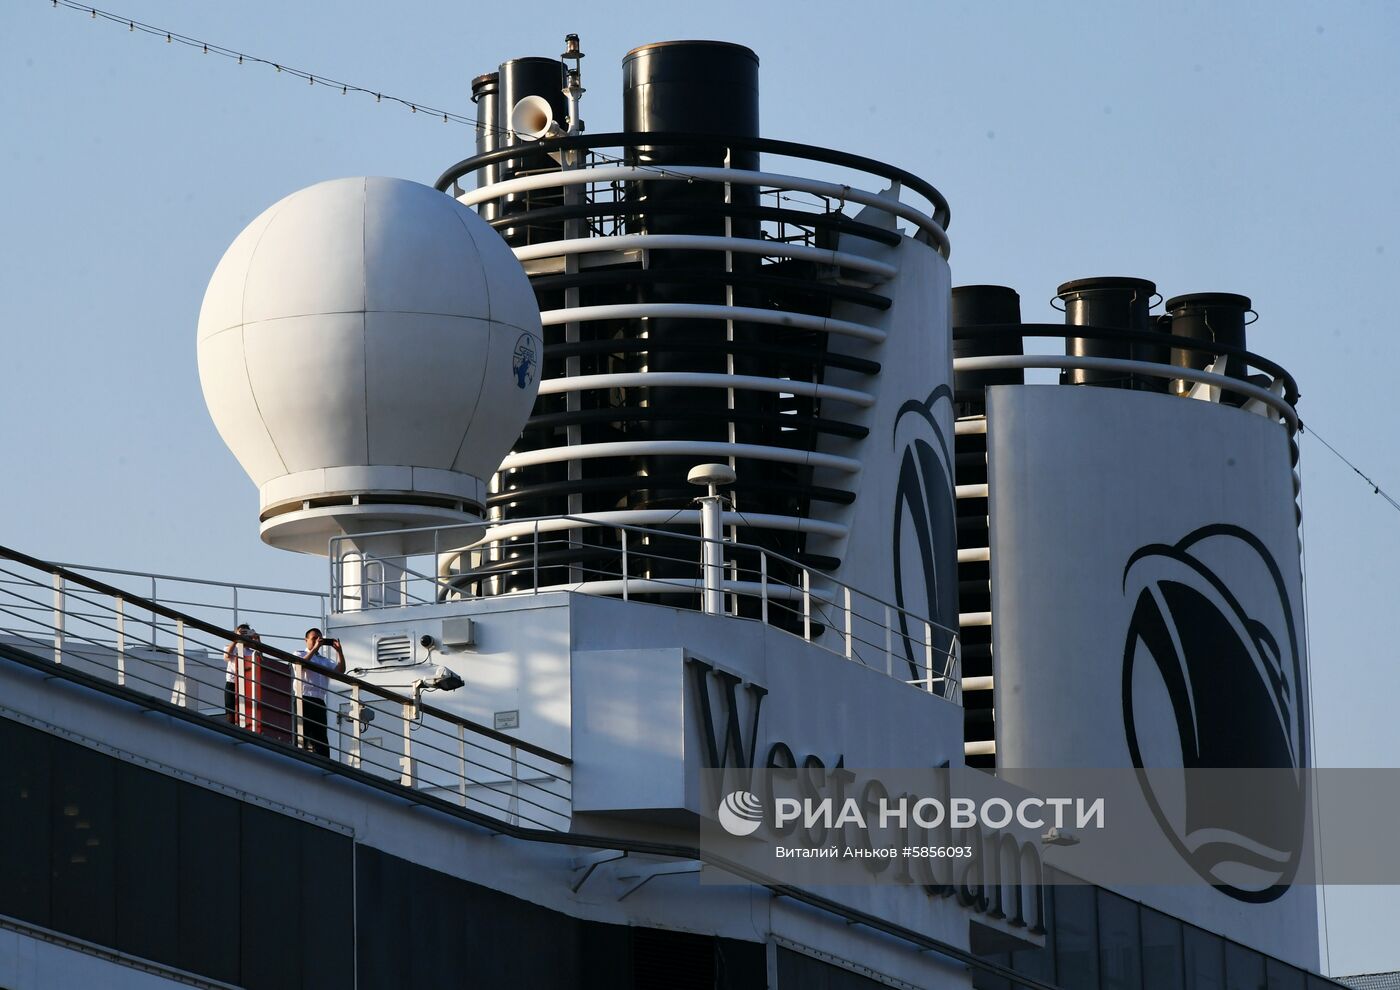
{"points": [[1212, 678], [925, 530]]}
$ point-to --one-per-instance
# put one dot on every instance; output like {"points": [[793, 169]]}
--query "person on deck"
{"points": [[233, 653], [313, 691]]}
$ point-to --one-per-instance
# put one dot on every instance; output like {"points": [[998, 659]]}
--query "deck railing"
{"points": [[104, 632], [590, 554]]}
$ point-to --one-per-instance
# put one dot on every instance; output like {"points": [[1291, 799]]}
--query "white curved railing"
{"points": [[660, 517], [523, 557], [713, 311], [705, 242], [701, 379], [679, 448], [1270, 398], [599, 174]]}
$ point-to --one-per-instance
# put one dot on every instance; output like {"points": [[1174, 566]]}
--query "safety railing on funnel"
{"points": [[596, 556], [130, 644]]}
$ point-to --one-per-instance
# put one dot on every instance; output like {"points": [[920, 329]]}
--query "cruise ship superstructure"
{"points": [[635, 455]]}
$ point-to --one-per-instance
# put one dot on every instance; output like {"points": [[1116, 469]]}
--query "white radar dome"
{"points": [[369, 350]]}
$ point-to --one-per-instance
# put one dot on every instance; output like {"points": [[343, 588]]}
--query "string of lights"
{"points": [[243, 58], [346, 88]]}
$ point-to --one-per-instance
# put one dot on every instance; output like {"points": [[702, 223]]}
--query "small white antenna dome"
{"points": [[369, 350]]}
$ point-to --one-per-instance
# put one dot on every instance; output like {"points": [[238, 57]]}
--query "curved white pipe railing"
{"points": [[705, 242], [701, 379], [708, 311], [1007, 362], [732, 176], [679, 448], [501, 532]]}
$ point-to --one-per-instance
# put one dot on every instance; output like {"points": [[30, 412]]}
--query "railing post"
{"points": [[514, 785], [535, 560], [58, 613], [889, 644], [763, 582], [952, 690], [298, 715], [121, 641], [335, 564], [406, 774], [357, 720], [462, 764], [625, 578], [806, 604], [235, 608], [181, 692], [850, 652], [928, 654]]}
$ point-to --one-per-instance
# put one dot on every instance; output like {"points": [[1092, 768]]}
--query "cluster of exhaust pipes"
{"points": [[987, 321]]}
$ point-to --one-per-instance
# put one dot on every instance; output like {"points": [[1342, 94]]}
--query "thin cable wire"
{"points": [[1375, 488], [346, 88], [1312, 735]]}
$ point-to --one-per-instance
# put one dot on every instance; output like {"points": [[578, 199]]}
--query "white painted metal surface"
{"points": [[368, 335]]}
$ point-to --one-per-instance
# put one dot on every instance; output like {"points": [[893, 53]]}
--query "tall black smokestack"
{"points": [[702, 88], [1112, 303], [486, 94]]}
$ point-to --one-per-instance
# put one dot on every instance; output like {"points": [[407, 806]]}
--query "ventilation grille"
{"points": [[393, 649]]}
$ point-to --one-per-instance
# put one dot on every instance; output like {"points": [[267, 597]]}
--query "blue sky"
{"points": [[1248, 147]]}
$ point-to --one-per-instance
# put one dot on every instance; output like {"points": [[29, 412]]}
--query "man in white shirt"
{"points": [[313, 690]]}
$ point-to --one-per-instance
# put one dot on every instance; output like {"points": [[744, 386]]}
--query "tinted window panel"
{"points": [[1161, 952], [82, 858], [799, 971], [148, 921], [25, 756], [1039, 963], [383, 909], [208, 876], [1284, 977], [1076, 937], [1244, 968], [1120, 958], [1205, 960], [327, 898], [270, 919]]}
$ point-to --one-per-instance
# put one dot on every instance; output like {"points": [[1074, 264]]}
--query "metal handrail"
{"points": [[190, 580], [832, 605], [62, 636], [1007, 362], [942, 215], [1155, 338]]}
